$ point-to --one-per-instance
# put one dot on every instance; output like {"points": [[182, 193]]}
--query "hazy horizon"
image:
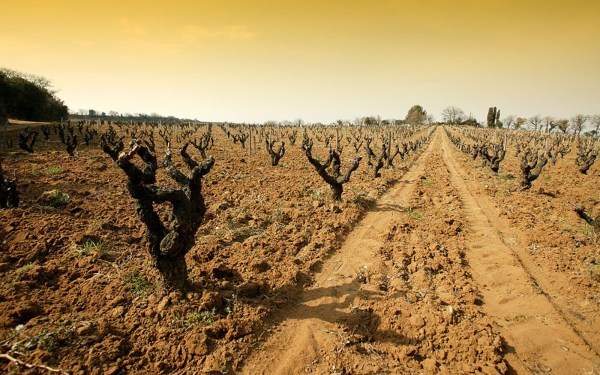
{"points": [[319, 61]]}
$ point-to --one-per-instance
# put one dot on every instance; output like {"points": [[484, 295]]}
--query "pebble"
{"points": [[163, 304], [118, 312], [416, 321]]}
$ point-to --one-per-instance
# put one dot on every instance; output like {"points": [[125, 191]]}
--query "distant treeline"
{"points": [[128, 117], [29, 97]]}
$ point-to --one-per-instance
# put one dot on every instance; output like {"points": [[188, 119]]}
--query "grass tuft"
{"points": [[55, 198], [206, 317], [137, 284], [505, 176], [99, 247], [414, 213], [52, 171]]}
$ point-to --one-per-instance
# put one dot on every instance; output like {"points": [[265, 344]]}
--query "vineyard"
{"points": [[228, 248]]}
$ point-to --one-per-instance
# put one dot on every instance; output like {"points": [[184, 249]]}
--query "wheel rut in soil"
{"points": [[308, 331], [538, 337]]}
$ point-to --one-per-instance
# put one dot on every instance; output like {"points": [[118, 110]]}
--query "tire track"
{"points": [[308, 335], [539, 338]]}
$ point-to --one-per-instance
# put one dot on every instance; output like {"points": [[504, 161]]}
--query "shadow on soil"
{"points": [[333, 305]]}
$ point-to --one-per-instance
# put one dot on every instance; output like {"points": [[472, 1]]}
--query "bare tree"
{"points": [[549, 124], [519, 123], [595, 120], [562, 125], [508, 121], [40, 81], [578, 123], [453, 115], [430, 119], [535, 122]]}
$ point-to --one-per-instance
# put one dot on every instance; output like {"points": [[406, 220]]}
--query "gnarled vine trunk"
{"points": [[167, 244]]}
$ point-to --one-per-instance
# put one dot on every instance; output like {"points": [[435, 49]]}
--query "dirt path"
{"points": [[308, 335], [439, 247], [539, 337], [17, 125]]}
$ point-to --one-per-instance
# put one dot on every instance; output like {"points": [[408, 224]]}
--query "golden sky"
{"points": [[247, 60]]}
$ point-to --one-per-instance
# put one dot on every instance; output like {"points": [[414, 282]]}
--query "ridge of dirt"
{"points": [[538, 334]]}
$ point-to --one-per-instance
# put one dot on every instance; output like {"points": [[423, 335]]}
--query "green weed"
{"points": [[205, 317], [25, 268], [589, 233], [103, 250], [137, 284], [414, 213], [55, 198], [505, 176], [49, 341], [230, 303], [280, 217], [315, 195], [52, 171]]}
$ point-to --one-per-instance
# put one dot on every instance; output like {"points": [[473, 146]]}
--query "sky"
{"points": [[320, 61]]}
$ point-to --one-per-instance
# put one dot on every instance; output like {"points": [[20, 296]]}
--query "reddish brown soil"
{"points": [[279, 270]]}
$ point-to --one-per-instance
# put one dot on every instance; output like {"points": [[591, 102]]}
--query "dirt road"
{"points": [[309, 331], [538, 334], [430, 280]]}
